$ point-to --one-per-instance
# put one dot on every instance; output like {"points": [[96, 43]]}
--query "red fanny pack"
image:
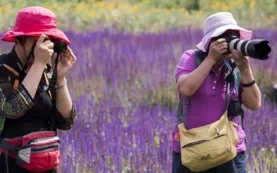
{"points": [[36, 152]]}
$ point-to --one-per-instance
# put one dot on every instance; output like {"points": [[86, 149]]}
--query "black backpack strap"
{"points": [[199, 56], [182, 109], [53, 89]]}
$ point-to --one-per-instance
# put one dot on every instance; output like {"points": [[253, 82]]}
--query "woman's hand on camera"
{"points": [[43, 50], [240, 60], [217, 49], [67, 60]]}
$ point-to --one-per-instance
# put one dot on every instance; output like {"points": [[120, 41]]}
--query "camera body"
{"points": [[255, 48], [59, 46], [234, 108]]}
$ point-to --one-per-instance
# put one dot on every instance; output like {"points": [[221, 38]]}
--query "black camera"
{"points": [[59, 46], [256, 48], [234, 108]]}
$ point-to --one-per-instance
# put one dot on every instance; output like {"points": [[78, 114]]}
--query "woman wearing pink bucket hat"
{"points": [[35, 100], [213, 83]]}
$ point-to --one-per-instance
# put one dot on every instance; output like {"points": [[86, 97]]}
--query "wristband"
{"points": [[61, 86], [249, 84]]}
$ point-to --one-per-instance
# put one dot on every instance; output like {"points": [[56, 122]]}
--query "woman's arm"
{"points": [[188, 84], [15, 102], [251, 96], [63, 102], [65, 112]]}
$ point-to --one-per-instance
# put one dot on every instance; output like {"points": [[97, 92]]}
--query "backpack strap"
{"points": [[199, 56], [236, 70]]}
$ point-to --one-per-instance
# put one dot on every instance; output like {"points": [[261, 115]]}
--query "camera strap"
{"points": [[235, 77], [53, 89], [31, 54]]}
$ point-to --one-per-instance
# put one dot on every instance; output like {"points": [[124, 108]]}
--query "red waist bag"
{"points": [[36, 152]]}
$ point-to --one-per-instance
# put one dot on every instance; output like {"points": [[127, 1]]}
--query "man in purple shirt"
{"points": [[205, 85]]}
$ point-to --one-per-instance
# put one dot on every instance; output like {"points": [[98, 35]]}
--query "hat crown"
{"points": [[33, 21], [35, 16], [217, 20]]}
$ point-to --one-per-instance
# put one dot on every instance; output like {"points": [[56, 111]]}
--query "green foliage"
{"points": [[144, 15]]}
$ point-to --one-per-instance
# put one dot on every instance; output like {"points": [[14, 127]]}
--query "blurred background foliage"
{"points": [[144, 15]]}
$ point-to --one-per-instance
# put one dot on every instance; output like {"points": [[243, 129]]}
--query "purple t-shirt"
{"points": [[208, 103]]}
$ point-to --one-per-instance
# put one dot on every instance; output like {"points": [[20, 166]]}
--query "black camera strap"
{"points": [[31, 54], [53, 89]]}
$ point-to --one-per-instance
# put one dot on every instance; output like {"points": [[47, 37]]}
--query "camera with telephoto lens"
{"points": [[59, 46], [255, 48]]}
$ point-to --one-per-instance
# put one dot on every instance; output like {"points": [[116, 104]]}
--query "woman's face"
{"points": [[229, 34], [30, 41]]}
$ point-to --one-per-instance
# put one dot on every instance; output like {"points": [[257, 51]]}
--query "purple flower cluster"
{"points": [[124, 89]]}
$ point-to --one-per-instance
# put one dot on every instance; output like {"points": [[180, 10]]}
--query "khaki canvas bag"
{"points": [[207, 146]]}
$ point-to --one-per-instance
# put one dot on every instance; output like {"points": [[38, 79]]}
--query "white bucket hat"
{"points": [[216, 24]]}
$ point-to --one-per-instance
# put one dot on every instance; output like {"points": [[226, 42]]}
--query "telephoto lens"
{"points": [[256, 48]]}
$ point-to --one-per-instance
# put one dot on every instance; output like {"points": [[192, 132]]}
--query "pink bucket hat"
{"points": [[34, 21], [216, 24]]}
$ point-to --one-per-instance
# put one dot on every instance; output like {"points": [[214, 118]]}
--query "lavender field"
{"points": [[124, 89]]}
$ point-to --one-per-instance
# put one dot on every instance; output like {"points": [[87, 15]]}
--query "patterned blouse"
{"points": [[18, 109]]}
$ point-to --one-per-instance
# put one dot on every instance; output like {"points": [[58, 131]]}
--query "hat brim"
{"points": [[244, 33], [53, 33]]}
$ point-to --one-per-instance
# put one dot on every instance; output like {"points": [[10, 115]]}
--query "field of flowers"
{"points": [[124, 88], [123, 82]]}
